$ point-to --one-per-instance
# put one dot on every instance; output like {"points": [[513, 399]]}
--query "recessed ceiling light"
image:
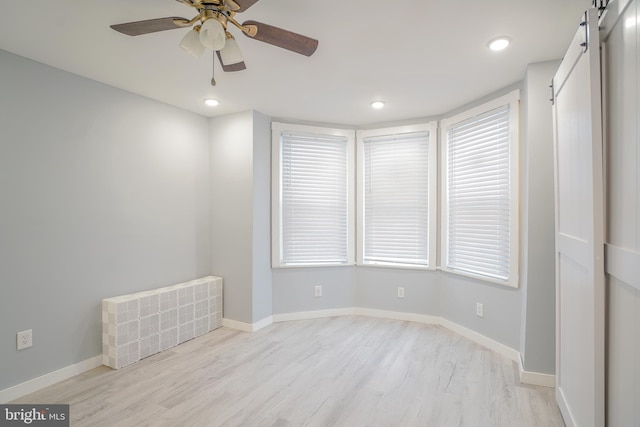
{"points": [[499, 43], [211, 102], [377, 105]]}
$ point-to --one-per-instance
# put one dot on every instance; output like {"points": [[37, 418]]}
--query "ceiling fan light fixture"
{"points": [[212, 34], [231, 53], [499, 43], [191, 43]]}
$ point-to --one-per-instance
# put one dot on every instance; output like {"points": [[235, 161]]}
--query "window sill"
{"points": [[508, 284], [312, 265], [397, 266]]}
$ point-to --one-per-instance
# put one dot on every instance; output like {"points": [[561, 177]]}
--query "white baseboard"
{"points": [[35, 384], [317, 314], [247, 327], [484, 341], [565, 410], [535, 378], [262, 323], [397, 315]]}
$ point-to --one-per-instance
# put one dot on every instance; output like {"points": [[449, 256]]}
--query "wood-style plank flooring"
{"points": [[341, 371]]}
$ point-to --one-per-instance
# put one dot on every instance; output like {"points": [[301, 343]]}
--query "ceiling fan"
{"points": [[210, 30]]}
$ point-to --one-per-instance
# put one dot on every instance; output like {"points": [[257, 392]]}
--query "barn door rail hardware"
{"points": [[601, 5]]}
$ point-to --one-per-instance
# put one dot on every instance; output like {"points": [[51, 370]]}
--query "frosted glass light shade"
{"points": [[231, 53], [212, 34], [499, 44], [191, 43]]}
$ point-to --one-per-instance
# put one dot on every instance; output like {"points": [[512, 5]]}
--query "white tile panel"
{"points": [[139, 325]]}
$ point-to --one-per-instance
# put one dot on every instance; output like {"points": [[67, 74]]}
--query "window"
{"points": [[480, 192], [397, 174], [397, 196], [312, 196]]}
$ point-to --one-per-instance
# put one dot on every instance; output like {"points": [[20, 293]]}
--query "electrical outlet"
{"points": [[479, 310], [400, 292], [318, 291], [24, 339]]}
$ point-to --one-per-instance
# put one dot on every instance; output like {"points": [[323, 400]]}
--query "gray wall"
{"points": [[262, 288], [232, 212], [501, 304], [432, 293], [537, 273], [293, 289], [240, 213], [377, 288], [102, 193]]}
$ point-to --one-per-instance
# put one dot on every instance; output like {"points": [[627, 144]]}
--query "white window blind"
{"points": [[314, 199], [480, 205], [396, 198]]}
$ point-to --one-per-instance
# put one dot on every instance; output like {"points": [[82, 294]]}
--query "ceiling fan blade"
{"points": [[233, 67], [282, 38], [150, 26], [244, 4]]}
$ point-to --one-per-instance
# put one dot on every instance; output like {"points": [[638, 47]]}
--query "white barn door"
{"points": [[580, 284]]}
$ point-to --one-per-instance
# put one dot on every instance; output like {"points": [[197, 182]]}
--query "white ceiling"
{"points": [[422, 57]]}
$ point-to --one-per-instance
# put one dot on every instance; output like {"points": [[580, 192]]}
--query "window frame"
{"points": [[277, 128], [432, 129], [513, 100]]}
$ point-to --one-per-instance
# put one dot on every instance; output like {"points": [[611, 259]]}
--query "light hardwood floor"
{"points": [[341, 371]]}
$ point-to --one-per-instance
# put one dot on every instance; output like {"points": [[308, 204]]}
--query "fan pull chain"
{"points": [[213, 69]]}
